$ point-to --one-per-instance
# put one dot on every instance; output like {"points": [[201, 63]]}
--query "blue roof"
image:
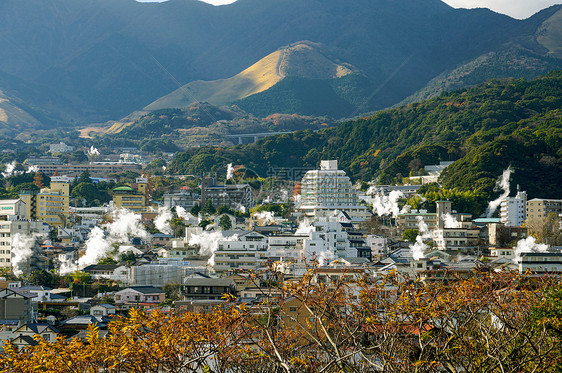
{"points": [[487, 220]]}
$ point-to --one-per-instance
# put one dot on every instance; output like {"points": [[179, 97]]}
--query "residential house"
{"points": [[139, 296]]}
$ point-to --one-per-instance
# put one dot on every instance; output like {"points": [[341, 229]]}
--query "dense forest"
{"points": [[484, 128]]}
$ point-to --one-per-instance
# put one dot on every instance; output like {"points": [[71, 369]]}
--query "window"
{"points": [[292, 309]]}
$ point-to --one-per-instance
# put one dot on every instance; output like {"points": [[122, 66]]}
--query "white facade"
{"points": [[286, 247], [13, 207], [378, 245], [513, 210], [540, 262], [329, 189], [8, 229], [248, 252], [60, 148]]}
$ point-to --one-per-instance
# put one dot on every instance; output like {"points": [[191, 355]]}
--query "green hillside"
{"points": [[464, 125]]}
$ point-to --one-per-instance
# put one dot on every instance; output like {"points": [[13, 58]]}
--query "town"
{"points": [[67, 266]]}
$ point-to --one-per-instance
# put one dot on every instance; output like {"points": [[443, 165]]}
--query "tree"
{"points": [[86, 191], [208, 209], [410, 235], [483, 322], [85, 177], [38, 180], [225, 223], [195, 210]]}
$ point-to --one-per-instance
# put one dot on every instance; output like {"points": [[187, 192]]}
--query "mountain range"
{"points": [[74, 62]]}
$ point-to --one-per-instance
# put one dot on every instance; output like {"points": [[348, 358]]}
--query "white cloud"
{"points": [[520, 9]]}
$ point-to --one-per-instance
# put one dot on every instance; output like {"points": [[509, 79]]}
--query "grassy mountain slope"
{"points": [[377, 146], [112, 57], [304, 60]]}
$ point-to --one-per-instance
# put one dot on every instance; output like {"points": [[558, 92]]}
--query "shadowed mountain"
{"points": [[111, 57]]}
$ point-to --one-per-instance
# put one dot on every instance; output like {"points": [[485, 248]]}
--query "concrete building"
{"points": [[94, 169], [132, 198], [9, 228], [183, 198], [329, 189], [538, 209], [15, 306], [13, 207], [60, 148], [232, 195], [540, 262], [513, 210], [248, 252], [50, 205]]}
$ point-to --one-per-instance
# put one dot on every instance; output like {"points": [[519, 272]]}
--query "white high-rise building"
{"points": [[329, 189], [513, 210]]}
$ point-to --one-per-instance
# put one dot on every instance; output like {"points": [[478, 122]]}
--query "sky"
{"points": [[515, 8]]}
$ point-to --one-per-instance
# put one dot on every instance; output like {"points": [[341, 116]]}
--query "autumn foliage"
{"points": [[485, 322]]}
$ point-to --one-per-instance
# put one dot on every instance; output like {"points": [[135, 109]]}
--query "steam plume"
{"points": [[93, 151], [502, 183], [208, 243], [387, 205], [305, 228], [528, 245], [229, 171], [162, 221], [22, 250], [419, 247], [450, 221]]}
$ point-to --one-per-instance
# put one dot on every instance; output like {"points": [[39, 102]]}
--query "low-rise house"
{"points": [[46, 331], [140, 296], [103, 310], [208, 288], [161, 239], [113, 272]]}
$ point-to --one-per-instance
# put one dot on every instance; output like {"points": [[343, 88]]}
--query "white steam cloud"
{"points": [[92, 152], [325, 256], [387, 205], [9, 169], [208, 243], [450, 221], [229, 171], [265, 217], [22, 250], [305, 228], [162, 221], [528, 245], [419, 247], [502, 183], [32, 169], [186, 216], [100, 244]]}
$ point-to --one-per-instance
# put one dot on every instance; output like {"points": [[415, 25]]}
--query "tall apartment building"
{"points": [[513, 210], [329, 189], [183, 198], [49, 205], [538, 209]]}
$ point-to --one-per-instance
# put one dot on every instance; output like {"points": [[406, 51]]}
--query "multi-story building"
{"points": [[9, 227], [329, 189], [95, 169], [50, 205], [234, 196], [513, 210], [60, 148], [247, 252], [538, 209], [183, 198], [13, 207], [134, 199], [540, 262]]}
